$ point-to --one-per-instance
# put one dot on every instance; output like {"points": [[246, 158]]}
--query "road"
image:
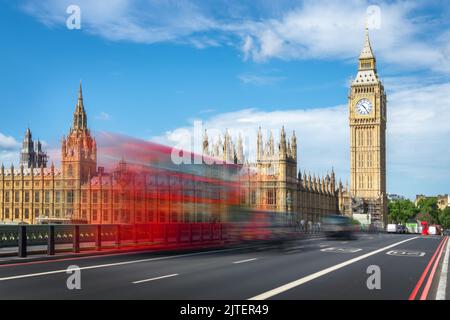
{"points": [[315, 268]]}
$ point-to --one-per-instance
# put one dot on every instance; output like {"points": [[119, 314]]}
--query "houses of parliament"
{"points": [[80, 191]]}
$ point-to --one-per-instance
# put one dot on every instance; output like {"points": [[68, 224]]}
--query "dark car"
{"points": [[338, 226], [402, 229]]}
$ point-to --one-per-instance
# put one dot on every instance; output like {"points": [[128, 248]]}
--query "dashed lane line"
{"points": [[157, 278]]}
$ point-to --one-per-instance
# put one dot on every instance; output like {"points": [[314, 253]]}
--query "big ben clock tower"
{"points": [[367, 112]]}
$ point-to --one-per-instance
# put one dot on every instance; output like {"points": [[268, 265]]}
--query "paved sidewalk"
{"points": [[443, 290]]}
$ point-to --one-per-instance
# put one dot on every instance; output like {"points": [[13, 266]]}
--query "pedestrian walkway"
{"points": [[443, 291]]}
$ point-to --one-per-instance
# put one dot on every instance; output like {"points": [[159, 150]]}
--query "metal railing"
{"points": [[77, 238]]}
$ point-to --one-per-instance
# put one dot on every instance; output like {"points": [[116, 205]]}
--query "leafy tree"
{"points": [[401, 211], [428, 206], [425, 216], [444, 218]]}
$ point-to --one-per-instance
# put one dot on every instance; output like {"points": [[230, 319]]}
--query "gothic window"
{"points": [[70, 170], [94, 215], [95, 197], [105, 197], [27, 196], [36, 213], [243, 196], [105, 215], [70, 196], [47, 196], [84, 197], [271, 197], [116, 197], [58, 196], [27, 213], [7, 198], [36, 196], [16, 213], [253, 196], [16, 196]]}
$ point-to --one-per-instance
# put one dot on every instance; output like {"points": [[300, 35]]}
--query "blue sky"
{"points": [[150, 68]]}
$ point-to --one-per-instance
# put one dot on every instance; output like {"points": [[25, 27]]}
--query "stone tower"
{"points": [[32, 155], [367, 113], [79, 149]]}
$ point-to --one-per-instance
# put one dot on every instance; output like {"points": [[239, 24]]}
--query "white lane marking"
{"points": [[341, 250], [39, 274], [296, 283], [442, 286], [157, 278], [324, 245], [244, 261], [405, 253]]}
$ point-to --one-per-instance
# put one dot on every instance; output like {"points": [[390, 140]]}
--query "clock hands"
{"points": [[365, 108]]}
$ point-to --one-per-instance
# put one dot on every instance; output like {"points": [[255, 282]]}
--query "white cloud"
{"points": [[310, 29], [9, 149], [418, 137], [8, 142], [103, 116]]}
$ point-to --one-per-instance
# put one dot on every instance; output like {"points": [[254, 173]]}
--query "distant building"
{"points": [[395, 197], [273, 181], [443, 201], [32, 155]]}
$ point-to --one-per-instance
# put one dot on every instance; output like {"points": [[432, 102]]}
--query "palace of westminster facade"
{"points": [[79, 191]]}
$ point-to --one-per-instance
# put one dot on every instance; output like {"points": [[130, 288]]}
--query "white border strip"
{"points": [[296, 283], [442, 287]]}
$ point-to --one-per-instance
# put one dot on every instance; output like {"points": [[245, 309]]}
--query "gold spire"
{"points": [[367, 52], [79, 117], [367, 60]]}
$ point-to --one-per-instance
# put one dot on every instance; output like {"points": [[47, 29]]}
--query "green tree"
{"points": [[400, 211], [444, 218], [428, 208]]}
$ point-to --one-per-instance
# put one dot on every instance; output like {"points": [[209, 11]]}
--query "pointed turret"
{"points": [[259, 145], [79, 117], [282, 144], [294, 146], [240, 150], [367, 52], [367, 60]]}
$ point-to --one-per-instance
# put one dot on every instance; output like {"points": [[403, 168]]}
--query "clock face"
{"points": [[364, 107]]}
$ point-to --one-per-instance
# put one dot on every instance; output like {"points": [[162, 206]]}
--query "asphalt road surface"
{"points": [[315, 268]]}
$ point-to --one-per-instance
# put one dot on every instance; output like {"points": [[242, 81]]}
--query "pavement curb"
{"points": [[442, 286]]}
